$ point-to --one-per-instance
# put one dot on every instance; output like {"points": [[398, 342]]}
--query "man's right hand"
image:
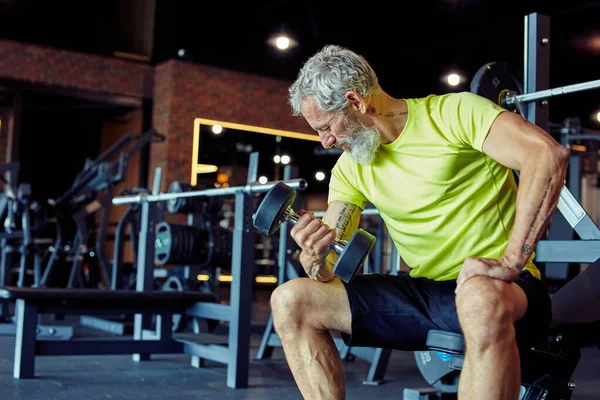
{"points": [[314, 238]]}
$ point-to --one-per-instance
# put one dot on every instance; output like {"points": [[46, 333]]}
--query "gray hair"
{"points": [[328, 75]]}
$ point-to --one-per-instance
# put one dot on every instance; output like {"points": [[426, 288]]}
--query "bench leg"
{"points": [[27, 319]]}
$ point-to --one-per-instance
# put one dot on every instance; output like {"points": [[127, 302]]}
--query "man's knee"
{"points": [[486, 311], [289, 303]]}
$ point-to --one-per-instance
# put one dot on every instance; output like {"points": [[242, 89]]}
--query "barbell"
{"points": [[250, 188], [501, 83]]}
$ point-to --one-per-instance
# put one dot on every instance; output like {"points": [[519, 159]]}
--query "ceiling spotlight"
{"points": [[282, 42], [262, 180], [217, 129], [598, 116], [319, 176], [285, 159], [453, 79], [276, 159]]}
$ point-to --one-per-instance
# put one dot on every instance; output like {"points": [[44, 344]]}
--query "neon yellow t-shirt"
{"points": [[442, 199]]}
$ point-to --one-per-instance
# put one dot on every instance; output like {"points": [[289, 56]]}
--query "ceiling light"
{"points": [[282, 42], [285, 159], [262, 180], [598, 116], [276, 159], [217, 129], [453, 79], [319, 176]]}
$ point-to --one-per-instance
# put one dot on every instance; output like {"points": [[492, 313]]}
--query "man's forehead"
{"points": [[312, 112]]}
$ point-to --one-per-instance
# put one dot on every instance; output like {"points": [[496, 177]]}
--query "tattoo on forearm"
{"points": [[526, 249], [535, 216], [345, 217]]}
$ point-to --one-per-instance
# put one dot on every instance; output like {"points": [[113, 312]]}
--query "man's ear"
{"points": [[356, 101]]}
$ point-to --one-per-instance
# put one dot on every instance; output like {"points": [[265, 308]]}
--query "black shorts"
{"points": [[397, 311]]}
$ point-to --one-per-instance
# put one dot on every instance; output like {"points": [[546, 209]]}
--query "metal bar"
{"points": [[241, 293], [250, 188], [27, 319], [379, 364], [542, 94], [216, 311], [537, 59], [76, 347], [214, 352], [568, 251]]}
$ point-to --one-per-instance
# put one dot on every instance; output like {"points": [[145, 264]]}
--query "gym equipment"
{"points": [[91, 192], [33, 302], [501, 82], [237, 312], [276, 208]]}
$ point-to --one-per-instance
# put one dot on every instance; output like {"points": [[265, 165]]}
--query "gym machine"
{"points": [[91, 192], [237, 313], [20, 221], [547, 368]]}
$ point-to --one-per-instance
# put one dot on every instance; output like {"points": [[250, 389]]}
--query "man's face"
{"points": [[343, 130]]}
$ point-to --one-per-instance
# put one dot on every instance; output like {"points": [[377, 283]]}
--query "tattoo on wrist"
{"points": [[519, 266]]}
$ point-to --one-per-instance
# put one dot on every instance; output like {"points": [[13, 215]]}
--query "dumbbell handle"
{"points": [[337, 245]]}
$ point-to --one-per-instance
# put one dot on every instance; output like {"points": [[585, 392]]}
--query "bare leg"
{"points": [[487, 309], [304, 311]]}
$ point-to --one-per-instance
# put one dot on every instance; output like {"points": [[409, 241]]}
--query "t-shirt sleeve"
{"points": [[468, 117], [341, 187]]}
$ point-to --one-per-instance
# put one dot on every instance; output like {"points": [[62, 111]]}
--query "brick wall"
{"points": [[180, 91], [185, 91], [53, 67]]}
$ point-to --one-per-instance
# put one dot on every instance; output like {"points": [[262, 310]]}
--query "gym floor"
{"points": [[170, 377]]}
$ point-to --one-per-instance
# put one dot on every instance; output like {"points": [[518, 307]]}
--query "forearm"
{"points": [[541, 180], [320, 269]]}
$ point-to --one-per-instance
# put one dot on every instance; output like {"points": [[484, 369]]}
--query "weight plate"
{"points": [[271, 210], [354, 254], [494, 80], [435, 369]]}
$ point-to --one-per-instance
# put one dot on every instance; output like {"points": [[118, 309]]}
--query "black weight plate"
{"points": [[435, 369], [495, 79], [271, 210], [355, 252], [163, 243]]}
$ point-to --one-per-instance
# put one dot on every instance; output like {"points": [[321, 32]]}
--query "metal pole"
{"points": [[542, 94], [250, 188]]}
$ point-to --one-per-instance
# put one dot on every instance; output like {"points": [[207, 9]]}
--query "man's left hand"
{"points": [[497, 268]]}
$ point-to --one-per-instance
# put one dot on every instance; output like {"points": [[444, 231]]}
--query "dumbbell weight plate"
{"points": [[271, 210], [354, 255]]}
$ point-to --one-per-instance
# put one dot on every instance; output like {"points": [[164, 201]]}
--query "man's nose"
{"points": [[327, 140]]}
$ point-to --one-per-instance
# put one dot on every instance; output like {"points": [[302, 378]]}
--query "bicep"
{"points": [[513, 139], [343, 217]]}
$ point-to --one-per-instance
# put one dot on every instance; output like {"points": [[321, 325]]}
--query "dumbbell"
{"points": [[276, 208]]}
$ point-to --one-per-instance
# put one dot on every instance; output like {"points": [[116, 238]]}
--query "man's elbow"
{"points": [[561, 157]]}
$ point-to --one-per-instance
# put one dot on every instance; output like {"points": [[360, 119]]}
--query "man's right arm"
{"points": [[315, 236]]}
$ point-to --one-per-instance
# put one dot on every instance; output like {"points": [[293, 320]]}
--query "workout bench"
{"points": [[546, 368], [32, 302]]}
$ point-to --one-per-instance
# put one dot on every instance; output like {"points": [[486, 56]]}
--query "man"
{"points": [[439, 170]]}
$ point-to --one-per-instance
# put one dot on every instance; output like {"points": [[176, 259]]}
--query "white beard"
{"points": [[364, 142]]}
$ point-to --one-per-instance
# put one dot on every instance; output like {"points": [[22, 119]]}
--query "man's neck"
{"points": [[390, 115]]}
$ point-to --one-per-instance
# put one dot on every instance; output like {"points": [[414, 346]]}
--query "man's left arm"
{"points": [[542, 164]]}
